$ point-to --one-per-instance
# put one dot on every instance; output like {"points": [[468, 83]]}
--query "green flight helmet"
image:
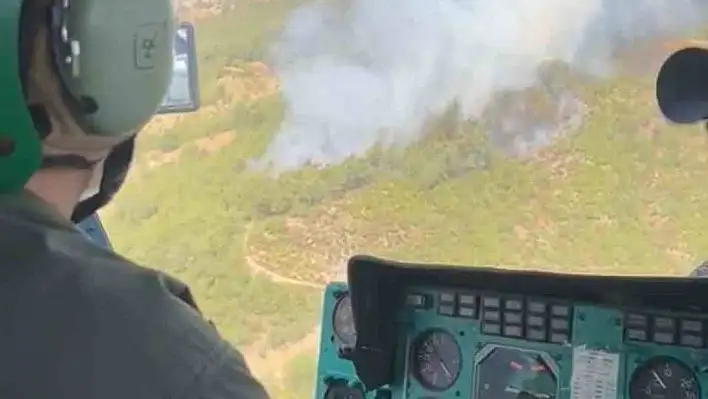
{"points": [[113, 62]]}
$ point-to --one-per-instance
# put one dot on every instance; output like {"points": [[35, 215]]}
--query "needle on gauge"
{"points": [[658, 379]]}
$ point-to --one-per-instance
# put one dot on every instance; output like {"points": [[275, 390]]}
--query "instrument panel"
{"points": [[477, 344]]}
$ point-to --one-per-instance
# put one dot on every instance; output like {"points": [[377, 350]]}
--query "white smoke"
{"points": [[360, 73]]}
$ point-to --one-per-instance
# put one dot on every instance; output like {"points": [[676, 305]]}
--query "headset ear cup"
{"points": [[115, 171], [20, 145]]}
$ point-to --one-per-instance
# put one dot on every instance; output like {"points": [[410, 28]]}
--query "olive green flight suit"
{"points": [[78, 321]]}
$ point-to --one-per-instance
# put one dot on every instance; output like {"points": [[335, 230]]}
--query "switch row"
{"points": [[665, 330]]}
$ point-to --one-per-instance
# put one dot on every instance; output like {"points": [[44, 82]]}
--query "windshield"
{"points": [[515, 134]]}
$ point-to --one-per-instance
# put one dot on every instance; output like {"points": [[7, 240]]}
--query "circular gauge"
{"points": [[343, 321], [342, 391], [436, 360], [510, 373], [664, 378]]}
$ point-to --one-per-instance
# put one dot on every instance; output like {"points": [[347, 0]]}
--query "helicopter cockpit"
{"points": [[410, 330]]}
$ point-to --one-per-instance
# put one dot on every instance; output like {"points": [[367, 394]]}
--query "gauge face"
{"points": [[510, 373], [664, 378], [436, 360], [343, 321]]}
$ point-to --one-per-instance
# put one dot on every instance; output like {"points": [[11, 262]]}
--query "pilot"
{"points": [[78, 321]]}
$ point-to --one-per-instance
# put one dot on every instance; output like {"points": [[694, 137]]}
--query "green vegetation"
{"points": [[300, 371], [623, 195]]}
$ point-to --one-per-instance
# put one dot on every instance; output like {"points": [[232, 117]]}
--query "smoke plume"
{"points": [[356, 74]]}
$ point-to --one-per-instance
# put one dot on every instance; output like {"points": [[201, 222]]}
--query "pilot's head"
{"points": [[79, 80]]}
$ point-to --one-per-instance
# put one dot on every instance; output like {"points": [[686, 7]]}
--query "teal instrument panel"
{"points": [[475, 344]]}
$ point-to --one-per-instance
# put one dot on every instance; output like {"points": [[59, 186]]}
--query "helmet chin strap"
{"points": [[94, 186], [90, 191], [108, 178], [67, 162]]}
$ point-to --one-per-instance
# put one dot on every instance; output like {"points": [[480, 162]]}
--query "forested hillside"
{"points": [[610, 189]]}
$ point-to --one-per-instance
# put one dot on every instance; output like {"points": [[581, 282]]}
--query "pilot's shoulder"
{"points": [[144, 302], [158, 325]]}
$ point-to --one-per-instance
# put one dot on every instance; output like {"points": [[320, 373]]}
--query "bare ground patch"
{"points": [[159, 158], [316, 249], [160, 124], [247, 82], [208, 145], [215, 142]]}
